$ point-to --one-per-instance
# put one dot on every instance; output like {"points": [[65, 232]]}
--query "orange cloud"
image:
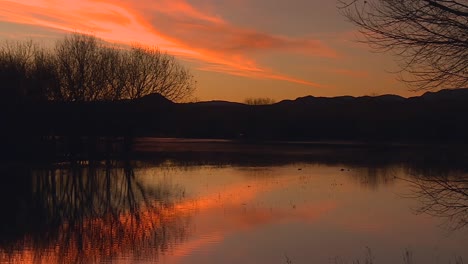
{"points": [[173, 25]]}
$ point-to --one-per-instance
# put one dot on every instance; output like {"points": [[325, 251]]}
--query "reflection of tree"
{"points": [[93, 212], [443, 195], [373, 177]]}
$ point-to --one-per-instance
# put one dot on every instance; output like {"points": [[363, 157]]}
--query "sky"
{"points": [[236, 49]]}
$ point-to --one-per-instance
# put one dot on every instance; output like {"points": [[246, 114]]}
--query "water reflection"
{"points": [[87, 212], [374, 177], [442, 194], [201, 205]]}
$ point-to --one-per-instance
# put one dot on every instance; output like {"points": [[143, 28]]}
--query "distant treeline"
{"points": [[259, 101], [83, 68], [434, 117]]}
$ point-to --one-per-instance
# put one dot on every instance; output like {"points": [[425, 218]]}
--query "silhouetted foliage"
{"points": [[429, 36], [20, 69], [85, 68]]}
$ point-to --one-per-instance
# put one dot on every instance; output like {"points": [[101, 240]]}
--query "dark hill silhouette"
{"points": [[441, 118], [433, 117], [390, 97], [218, 103], [445, 95], [154, 99]]}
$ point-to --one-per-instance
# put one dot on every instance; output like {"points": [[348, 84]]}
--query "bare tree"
{"points": [[114, 72], [15, 61], [77, 57], [85, 68], [430, 37], [91, 70], [151, 71], [44, 77]]}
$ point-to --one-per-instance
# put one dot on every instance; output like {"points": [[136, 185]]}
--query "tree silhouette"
{"points": [[430, 37], [92, 70], [85, 68], [15, 66], [150, 70]]}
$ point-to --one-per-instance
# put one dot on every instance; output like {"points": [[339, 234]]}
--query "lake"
{"points": [[215, 201]]}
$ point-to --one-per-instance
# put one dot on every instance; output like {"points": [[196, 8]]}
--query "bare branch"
{"points": [[429, 38], [85, 68]]}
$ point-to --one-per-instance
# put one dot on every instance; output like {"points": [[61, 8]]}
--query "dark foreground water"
{"points": [[220, 202]]}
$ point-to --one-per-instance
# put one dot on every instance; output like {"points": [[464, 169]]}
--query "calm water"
{"points": [[210, 202]]}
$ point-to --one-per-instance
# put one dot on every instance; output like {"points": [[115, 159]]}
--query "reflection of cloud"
{"points": [[190, 246], [149, 225], [234, 201], [97, 240], [109, 216], [173, 25]]}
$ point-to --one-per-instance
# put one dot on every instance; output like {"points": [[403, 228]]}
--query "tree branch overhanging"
{"points": [[429, 37]]}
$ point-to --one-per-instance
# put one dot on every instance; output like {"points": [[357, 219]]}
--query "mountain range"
{"points": [[433, 117]]}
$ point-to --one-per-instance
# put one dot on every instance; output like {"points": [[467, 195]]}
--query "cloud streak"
{"points": [[172, 25]]}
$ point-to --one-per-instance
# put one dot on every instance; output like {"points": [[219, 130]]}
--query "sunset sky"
{"points": [[236, 49]]}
